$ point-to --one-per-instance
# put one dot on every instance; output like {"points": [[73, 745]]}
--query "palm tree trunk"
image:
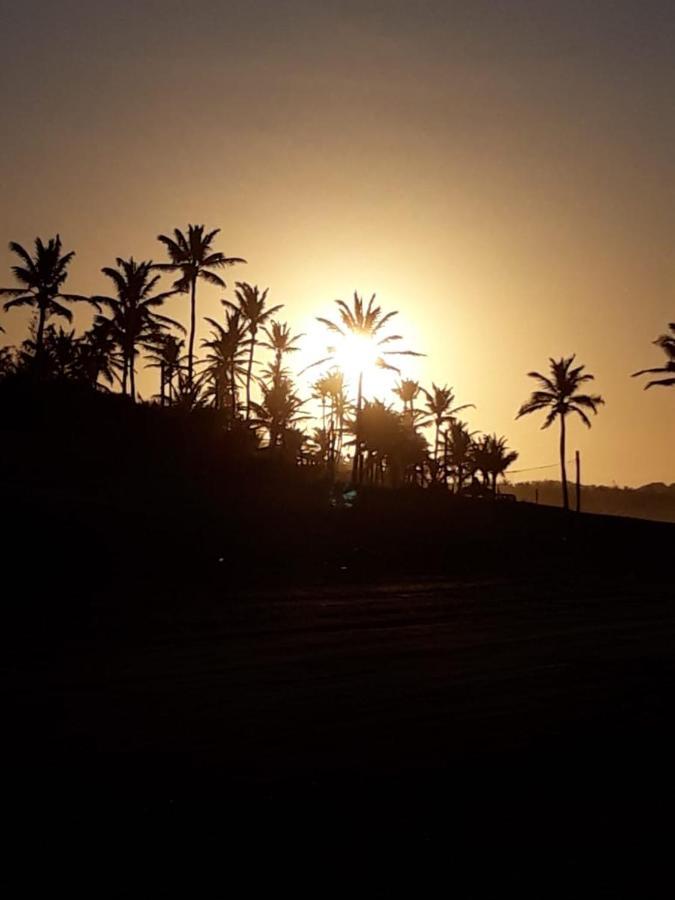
{"points": [[233, 389], [40, 336], [125, 373], [249, 373], [132, 376], [357, 446], [193, 325], [563, 468], [162, 383]]}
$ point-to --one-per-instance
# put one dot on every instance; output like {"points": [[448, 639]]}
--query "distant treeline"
{"points": [[651, 501]]}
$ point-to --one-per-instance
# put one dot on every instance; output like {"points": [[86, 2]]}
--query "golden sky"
{"points": [[502, 174]]}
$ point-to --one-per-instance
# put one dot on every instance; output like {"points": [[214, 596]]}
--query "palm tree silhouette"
{"points": [[251, 306], [441, 411], [491, 457], [42, 277], [280, 340], [368, 322], [667, 343], [98, 354], [225, 361], [193, 255], [132, 312], [321, 392], [279, 409], [458, 452], [407, 390], [167, 356], [559, 395]]}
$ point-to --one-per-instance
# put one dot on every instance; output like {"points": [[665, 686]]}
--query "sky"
{"points": [[502, 173]]}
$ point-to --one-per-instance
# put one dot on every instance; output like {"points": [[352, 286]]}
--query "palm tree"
{"points": [[192, 255], [494, 459], [558, 394], [279, 409], [251, 306], [321, 392], [439, 406], [42, 277], [458, 450], [167, 356], [364, 322], [225, 361], [407, 390], [667, 343], [99, 357], [280, 340], [132, 312]]}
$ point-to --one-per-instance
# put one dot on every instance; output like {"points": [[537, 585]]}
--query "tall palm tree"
{"points": [[133, 318], [559, 395], [41, 278], [439, 406], [667, 343], [251, 306], [192, 255], [366, 322]]}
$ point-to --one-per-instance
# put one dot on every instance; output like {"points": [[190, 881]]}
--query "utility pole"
{"points": [[577, 459]]}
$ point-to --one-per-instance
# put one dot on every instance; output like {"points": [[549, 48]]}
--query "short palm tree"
{"points": [[41, 278], [226, 358], [99, 355], [667, 343], [192, 255], [133, 318], [491, 457], [559, 395], [439, 406], [458, 452], [280, 340], [279, 409], [408, 391], [251, 306], [166, 354]]}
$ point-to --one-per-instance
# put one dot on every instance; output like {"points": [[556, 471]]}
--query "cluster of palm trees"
{"points": [[385, 445]]}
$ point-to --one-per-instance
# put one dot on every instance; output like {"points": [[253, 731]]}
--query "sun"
{"points": [[356, 353]]}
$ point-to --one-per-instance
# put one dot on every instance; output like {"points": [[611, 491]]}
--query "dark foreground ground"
{"points": [[501, 725], [206, 662]]}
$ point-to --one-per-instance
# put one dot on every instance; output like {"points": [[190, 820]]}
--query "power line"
{"points": [[536, 468]]}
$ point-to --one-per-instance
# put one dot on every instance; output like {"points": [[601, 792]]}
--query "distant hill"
{"points": [[651, 501]]}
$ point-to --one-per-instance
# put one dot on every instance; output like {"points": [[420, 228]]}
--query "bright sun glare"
{"points": [[356, 353]]}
